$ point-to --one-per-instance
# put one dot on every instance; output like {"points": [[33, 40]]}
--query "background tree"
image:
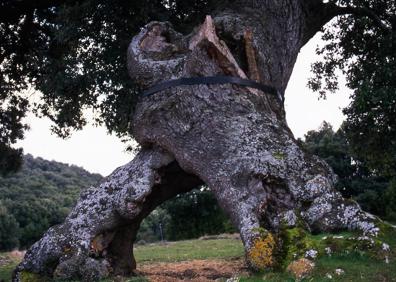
{"points": [[152, 228], [190, 215], [9, 229], [364, 50], [372, 189], [195, 214]]}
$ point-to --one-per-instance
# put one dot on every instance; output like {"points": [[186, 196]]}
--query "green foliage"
{"points": [[390, 196], [332, 147], [373, 191], [11, 129], [195, 214], [186, 216], [37, 197], [10, 159], [365, 52], [9, 229], [152, 226], [74, 53]]}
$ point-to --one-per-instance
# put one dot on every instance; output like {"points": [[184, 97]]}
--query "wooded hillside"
{"points": [[42, 193], [37, 197]]}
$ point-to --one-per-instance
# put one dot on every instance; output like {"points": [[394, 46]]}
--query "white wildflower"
{"points": [[328, 251], [385, 247], [339, 271], [311, 253]]}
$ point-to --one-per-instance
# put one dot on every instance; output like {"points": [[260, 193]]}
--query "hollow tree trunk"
{"points": [[234, 139]]}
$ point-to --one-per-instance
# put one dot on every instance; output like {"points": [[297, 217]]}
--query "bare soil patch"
{"points": [[193, 271], [10, 257]]}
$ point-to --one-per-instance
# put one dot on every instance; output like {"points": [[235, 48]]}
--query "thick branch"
{"points": [[360, 12], [317, 14]]}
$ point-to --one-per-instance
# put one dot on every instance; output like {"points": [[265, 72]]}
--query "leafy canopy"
{"points": [[74, 53], [365, 52]]}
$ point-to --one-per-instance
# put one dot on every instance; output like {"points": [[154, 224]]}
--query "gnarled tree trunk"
{"points": [[234, 139]]}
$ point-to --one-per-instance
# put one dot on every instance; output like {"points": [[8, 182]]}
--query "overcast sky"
{"points": [[96, 151]]}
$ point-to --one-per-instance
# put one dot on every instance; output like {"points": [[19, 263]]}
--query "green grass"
{"points": [[6, 269], [357, 266], [189, 250], [170, 252]]}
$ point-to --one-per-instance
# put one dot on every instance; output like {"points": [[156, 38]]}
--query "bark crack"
{"points": [[254, 73], [207, 33]]}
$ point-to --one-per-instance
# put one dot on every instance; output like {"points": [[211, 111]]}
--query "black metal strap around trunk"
{"points": [[212, 80]]}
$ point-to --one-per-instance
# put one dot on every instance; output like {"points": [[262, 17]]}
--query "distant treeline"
{"points": [[43, 192]]}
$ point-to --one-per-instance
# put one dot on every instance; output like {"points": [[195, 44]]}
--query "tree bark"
{"points": [[97, 237], [234, 139]]}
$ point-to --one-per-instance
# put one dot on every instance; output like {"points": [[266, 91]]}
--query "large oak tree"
{"points": [[233, 138]]}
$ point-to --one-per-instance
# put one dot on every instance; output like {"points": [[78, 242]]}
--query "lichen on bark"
{"points": [[97, 237]]}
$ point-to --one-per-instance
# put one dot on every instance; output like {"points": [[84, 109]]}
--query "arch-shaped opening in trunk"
{"points": [[171, 180], [172, 231]]}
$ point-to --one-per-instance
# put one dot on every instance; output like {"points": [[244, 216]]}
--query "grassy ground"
{"points": [[163, 252], [189, 250], [358, 266], [7, 265], [356, 269]]}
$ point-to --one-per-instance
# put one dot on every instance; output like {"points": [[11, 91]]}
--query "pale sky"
{"points": [[96, 151]]}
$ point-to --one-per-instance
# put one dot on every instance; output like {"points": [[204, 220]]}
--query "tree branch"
{"points": [[358, 11], [317, 14]]}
